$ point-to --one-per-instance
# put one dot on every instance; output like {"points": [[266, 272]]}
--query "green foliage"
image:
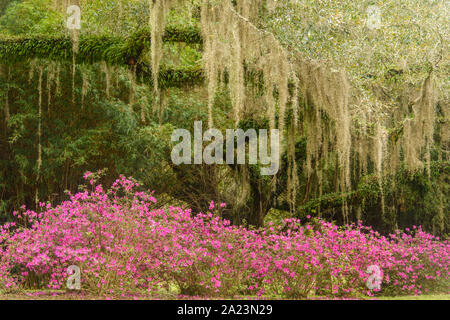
{"points": [[4, 4], [133, 137], [414, 199], [29, 17], [92, 48], [411, 37]]}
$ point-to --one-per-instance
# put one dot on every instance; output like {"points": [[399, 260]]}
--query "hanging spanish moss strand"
{"points": [[379, 146], [158, 12], [293, 181], [162, 106], [326, 92], [240, 42], [50, 80], [84, 89], [31, 71], [418, 131], [58, 80], [441, 214], [132, 80], [7, 112], [39, 159], [120, 10], [75, 47], [105, 69]]}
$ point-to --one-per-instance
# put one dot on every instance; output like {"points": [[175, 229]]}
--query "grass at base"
{"points": [[422, 297]]}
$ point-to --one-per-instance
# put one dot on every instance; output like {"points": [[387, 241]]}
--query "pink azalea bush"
{"points": [[124, 245]]}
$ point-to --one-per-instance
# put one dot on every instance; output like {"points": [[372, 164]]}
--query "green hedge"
{"points": [[113, 50]]}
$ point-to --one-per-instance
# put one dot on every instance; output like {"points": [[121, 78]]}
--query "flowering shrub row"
{"points": [[123, 245]]}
